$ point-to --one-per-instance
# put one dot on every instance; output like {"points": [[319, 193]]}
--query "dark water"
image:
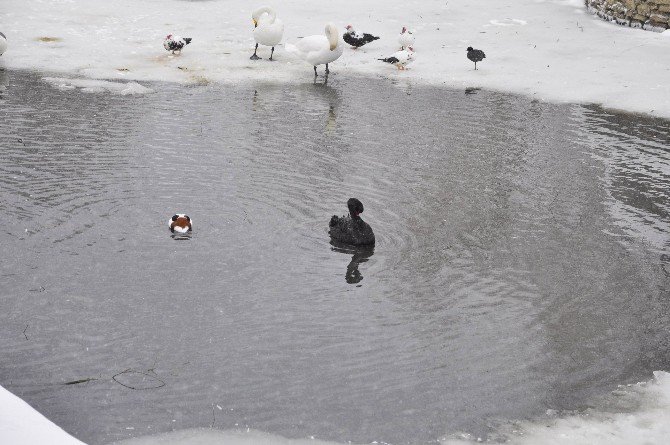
{"points": [[522, 262]]}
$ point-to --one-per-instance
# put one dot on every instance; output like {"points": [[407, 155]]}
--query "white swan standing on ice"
{"points": [[3, 43], [319, 50], [268, 29]]}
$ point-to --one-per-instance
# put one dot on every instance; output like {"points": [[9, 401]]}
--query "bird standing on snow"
{"points": [[180, 223], [268, 29], [3, 43], [400, 58], [476, 55], [357, 40], [406, 38], [351, 229], [175, 43], [319, 50]]}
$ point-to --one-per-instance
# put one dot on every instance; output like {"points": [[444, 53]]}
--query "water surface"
{"points": [[522, 260]]}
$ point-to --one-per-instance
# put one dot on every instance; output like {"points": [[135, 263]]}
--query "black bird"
{"points": [[357, 40], [351, 229], [476, 55]]}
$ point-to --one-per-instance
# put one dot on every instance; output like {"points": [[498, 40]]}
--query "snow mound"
{"points": [[97, 86], [203, 436], [20, 424], [613, 423]]}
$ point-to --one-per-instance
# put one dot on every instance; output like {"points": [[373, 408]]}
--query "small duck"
{"points": [[3, 43], [406, 38], [476, 55], [180, 223], [357, 40], [351, 229], [175, 43], [400, 58]]}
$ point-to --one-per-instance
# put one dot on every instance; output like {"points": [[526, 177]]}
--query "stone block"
{"points": [[659, 18], [643, 9]]}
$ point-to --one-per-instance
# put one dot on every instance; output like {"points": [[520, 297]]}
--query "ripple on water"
{"points": [[519, 262]]}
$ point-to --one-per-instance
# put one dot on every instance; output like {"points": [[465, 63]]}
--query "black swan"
{"points": [[351, 229]]}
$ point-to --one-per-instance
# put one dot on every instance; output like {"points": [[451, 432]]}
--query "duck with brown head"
{"points": [[180, 223], [351, 229]]}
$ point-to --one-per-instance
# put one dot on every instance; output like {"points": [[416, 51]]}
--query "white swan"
{"points": [[268, 29], [319, 50], [3, 43]]}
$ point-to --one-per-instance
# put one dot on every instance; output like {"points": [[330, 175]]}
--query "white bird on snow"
{"points": [[400, 58], [319, 50], [268, 29], [3, 43], [406, 38]]}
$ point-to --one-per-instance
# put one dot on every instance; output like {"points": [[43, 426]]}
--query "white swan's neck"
{"points": [[266, 9], [333, 38]]}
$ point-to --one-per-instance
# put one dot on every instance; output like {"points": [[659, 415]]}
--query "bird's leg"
{"points": [[255, 57], [327, 70], [271, 53], [315, 71]]}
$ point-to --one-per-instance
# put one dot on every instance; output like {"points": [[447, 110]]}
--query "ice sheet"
{"points": [[548, 49]]}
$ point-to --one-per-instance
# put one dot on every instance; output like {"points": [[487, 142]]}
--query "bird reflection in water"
{"points": [[331, 122], [360, 254], [181, 236], [4, 80]]}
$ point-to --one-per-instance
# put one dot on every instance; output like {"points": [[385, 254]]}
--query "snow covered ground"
{"points": [[549, 49]]}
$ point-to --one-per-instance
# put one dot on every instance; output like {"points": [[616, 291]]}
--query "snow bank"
{"points": [[645, 421], [97, 86], [22, 425], [549, 49], [204, 436]]}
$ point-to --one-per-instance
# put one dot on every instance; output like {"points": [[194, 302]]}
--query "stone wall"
{"points": [[653, 15]]}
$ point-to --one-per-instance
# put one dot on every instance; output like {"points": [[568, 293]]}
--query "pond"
{"points": [[522, 260]]}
